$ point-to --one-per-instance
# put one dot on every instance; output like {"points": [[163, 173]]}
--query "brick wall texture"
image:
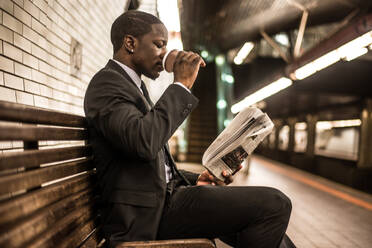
{"points": [[35, 40]]}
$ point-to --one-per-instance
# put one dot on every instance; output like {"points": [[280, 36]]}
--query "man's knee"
{"points": [[278, 203]]}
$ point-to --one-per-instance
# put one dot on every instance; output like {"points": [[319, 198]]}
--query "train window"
{"points": [[339, 139], [300, 137], [283, 138]]}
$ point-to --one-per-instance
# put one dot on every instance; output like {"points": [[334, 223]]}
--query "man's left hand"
{"points": [[206, 178]]}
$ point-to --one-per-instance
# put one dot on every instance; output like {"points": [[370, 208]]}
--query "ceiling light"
{"points": [[326, 60], [204, 54], [220, 60], [348, 51], [361, 41], [221, 104], [282, 39], [243, 52], [356, 53], [261, 94], [305, 71], [227, 78], [238, 61]]}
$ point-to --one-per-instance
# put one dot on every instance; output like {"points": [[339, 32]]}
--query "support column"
{"points": [[311, 132], [278, 125], [291, 139], [365, 149], [224, 81]]}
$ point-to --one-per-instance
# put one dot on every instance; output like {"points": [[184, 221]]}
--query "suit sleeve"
{"points": [[190, 176], [116, 110]]}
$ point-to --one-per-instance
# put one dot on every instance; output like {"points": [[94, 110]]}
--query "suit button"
{"points": [[189, 105], [186, 111]]}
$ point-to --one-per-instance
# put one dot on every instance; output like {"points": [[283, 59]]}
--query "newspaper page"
{"points": [[237, 141]]}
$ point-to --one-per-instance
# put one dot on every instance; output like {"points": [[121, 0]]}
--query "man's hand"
{"points": [[206, 178], [186, 68]]}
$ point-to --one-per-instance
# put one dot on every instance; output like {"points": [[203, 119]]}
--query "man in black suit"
{"points": [[143, 195]]}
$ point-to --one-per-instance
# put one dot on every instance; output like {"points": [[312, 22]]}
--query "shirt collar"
{"points": [[131, 73]]}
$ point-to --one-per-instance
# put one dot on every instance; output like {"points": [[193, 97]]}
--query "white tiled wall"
{"points": [[35, 38]]}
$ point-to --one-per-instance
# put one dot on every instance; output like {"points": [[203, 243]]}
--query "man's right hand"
{"points": [[186, 68]]}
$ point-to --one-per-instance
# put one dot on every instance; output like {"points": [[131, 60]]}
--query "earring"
{"points": [[132, 51]]}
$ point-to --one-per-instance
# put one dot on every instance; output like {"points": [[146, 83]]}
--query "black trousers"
{"points": [[240, 216]]}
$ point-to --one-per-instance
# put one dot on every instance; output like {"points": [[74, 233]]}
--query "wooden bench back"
{"points": [[47, 193]]}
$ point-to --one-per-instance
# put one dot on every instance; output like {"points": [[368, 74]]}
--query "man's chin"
{"points": [[154, 75]]}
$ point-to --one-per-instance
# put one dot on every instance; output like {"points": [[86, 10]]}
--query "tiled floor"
{"points": [[324, 215]]}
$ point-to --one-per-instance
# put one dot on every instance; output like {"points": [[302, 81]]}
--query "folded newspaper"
{"points": [[239, 139]]}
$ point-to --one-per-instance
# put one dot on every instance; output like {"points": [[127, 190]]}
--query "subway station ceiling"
{"points": [[223, 26], [227, 24]]}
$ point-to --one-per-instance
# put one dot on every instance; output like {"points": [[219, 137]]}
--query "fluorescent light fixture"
{"points": [[305, 71], [361, 41], [243, 52], [324, 125], [317, 65], [261, 94], [221, 104], [326, 60], [220, 60], [282, 39], [356, 53], [238, 61], [204, 54], [348, 51]]}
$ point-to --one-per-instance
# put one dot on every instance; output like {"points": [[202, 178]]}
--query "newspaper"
{"points": [[239, 139]]}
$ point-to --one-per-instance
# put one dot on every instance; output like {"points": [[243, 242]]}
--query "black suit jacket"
{"points": [[128, 138]]}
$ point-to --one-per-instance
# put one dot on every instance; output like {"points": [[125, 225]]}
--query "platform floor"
{"points": [[325, 214]]}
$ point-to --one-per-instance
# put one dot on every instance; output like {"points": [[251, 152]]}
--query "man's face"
{"points": [[150, 51]]}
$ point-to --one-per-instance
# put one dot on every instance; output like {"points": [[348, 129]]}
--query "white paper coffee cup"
{"points": [[168, 60]]}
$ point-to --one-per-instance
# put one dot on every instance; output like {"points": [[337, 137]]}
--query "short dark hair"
{"points": [[131, 22]]}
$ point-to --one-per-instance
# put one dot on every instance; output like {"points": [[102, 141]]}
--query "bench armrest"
{"points": [[178, 243]]}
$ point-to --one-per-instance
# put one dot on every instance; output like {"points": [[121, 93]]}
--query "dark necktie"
{"points": [[146, 93]]}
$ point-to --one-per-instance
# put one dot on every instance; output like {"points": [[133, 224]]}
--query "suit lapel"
{"points": [[115, 66]]}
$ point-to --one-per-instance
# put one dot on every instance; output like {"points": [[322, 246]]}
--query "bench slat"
{"points": [[70, 226], [26, 204], [178, 243], [94, 240], [34, 178], [22, 232], [82, 232], [28, 114], [34, 158], [32, 133]]}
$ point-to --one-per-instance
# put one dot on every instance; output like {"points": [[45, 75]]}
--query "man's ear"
{"points": [[129, 43]]}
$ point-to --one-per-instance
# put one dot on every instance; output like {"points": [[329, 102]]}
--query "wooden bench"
{"points": [[48, 191]]}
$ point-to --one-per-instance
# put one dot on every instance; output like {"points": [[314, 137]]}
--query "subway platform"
{"points": [[325, 214]]}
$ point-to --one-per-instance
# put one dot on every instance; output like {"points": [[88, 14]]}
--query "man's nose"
{"points": [[163, 52]]}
